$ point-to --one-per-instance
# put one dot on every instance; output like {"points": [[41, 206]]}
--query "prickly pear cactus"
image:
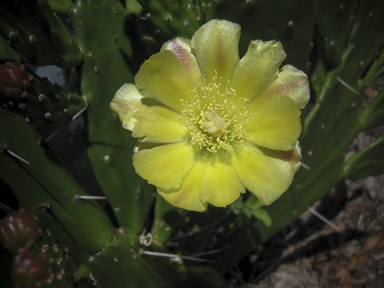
{"points": [[40, 259], [35, 98], [99, 224], [45, 40]]}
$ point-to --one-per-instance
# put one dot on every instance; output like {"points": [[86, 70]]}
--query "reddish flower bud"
{"points": [[30, 269], [19, 230], [13, 81]]}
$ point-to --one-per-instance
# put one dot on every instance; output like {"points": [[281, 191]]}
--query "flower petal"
{"points": [[297, 157], [292, 83], [188, 195], [165, 166], [216, 47], [182, 49], [147, 118], [164, 77], [274, 123], [220, 184], [258, 69], [293, 156], [266, 177]]}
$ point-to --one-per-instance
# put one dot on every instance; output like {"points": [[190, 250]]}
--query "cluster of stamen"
{"points": [[215, 118]]}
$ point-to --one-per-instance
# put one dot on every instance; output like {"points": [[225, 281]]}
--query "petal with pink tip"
{"points": [[165, 78]]}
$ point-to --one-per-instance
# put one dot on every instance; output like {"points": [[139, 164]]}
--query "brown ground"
{"points": [[352, 258], [310, 253]]}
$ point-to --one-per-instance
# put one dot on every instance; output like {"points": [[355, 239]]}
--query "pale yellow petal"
{"points": [[274, 124], [188, 195], [164, 77], [291, 83], [266, 177], [165, 166], [258, 69], [293, 156], [216, 47], [182, 49], [147, 118], [220, 184]]}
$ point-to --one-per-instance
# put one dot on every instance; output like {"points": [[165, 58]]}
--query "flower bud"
{"points": [[13, 81], [30, 269], [19, 230]]}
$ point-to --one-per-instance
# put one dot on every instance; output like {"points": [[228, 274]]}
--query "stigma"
{"points": [[215, 122]]}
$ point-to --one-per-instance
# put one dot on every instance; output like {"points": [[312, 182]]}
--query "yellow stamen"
{"points": [[214, 121]]}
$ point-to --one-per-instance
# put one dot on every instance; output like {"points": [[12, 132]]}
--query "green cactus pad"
{"points": [[120, 265], [111, 60], [41, 102], [366, 162], [36, 33], [45, 180], [176, 18]]}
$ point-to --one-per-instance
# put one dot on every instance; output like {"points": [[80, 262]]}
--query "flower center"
{"points": [[215, 118], [215, 123]]}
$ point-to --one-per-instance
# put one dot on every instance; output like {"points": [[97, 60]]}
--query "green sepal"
{"points": [[251, 207]]}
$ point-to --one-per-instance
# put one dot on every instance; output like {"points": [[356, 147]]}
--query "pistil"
{"points": [[215, 122]]}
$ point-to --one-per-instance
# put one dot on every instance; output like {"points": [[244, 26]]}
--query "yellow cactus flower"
{"points": [[211, 125]]}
